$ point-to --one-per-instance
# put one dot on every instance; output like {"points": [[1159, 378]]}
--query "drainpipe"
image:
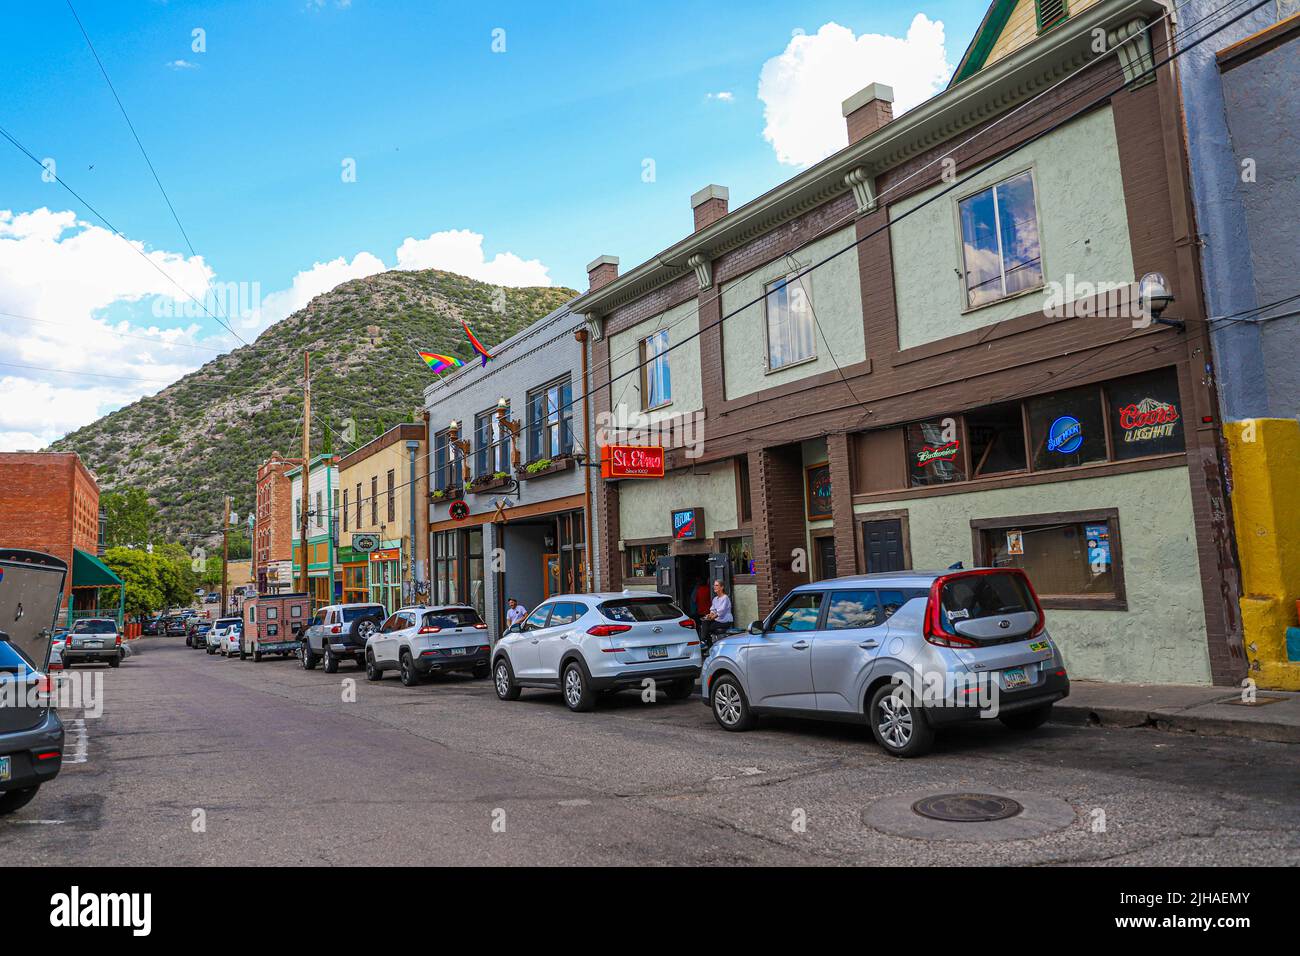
{"points": [[412, 447], [581, 336]]}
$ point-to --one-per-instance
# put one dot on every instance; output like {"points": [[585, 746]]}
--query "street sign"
{"points": [[365, 543]]}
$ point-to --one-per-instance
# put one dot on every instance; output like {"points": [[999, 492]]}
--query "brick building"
{"points": [[929, 348], [273, 529], [49, 502]]}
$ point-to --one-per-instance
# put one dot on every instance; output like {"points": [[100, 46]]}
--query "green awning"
{"points": [[90, 572]]}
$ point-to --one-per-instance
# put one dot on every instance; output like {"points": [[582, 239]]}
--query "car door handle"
{"points": [[800, 645], [536, 640], [868, 645]]}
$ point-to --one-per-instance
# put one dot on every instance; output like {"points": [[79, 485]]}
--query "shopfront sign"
{"points": [[817, 479], [946, 452], [365, 543], [1065, 435], [632, 461], [1147, 420], [388, 554], [688, 524]]}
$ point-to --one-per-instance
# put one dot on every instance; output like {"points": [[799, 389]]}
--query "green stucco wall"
{"points": [[835, 292], [1161, 637], [1083, 228], [682, 322], [645, 507]]}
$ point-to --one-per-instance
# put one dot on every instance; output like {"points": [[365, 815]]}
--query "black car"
{"points": [[152, 627], [175, 626], [196, 634]]}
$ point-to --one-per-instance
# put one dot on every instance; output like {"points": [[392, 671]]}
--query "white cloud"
{"points": [[804, 86], [182, 65], [726, 96], [306, 285], [461, 251]]}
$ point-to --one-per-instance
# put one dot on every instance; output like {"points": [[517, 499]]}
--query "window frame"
{"points": [[966, 306], [1042, 25], [539, 445], [628, 547], [818, 625], [392, 495], [980, 527], [648, 362], [804, 282]]}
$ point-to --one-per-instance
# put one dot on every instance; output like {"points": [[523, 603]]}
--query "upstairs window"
{"points": [[656, 379], [999, 239], [789, 322], [491, 444], [550, 421]]}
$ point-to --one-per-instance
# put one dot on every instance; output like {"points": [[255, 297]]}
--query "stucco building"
{"points": [[929, 348]]}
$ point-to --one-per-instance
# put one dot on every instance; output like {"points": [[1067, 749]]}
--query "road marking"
{"points": [[79, 751], [575, 803]]}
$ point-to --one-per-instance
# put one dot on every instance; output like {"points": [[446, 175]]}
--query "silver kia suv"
{"points": [[583, 644], [906, 652]]}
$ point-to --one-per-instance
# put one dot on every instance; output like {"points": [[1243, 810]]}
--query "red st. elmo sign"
{"points": [[631, 461]]}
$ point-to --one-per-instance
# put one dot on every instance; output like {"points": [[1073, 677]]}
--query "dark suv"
{"points": [[339, 632]]}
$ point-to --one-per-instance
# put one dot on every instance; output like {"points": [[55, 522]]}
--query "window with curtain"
{"points": [[656, 378], [790, 336]]}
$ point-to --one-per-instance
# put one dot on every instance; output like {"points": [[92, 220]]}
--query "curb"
{"points": [[1175, 721]]}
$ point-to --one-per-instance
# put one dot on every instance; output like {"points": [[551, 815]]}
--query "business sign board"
{"points": [[688, 524], [632, 461], [365, 543]]}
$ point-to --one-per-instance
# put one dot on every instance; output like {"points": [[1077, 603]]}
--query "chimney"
{"points": [[867, 110], [710, 205], [602, 271]]}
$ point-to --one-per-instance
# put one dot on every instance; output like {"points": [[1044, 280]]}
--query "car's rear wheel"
{"points": [[578, 695], [481, 671], [115, 662], [730, 706], [373, 673], [257, 657], [1027, 719], [898, 723], [305, 657], [681, 689], [503, 679], [331, 662], [406, 669], [17, 799]]}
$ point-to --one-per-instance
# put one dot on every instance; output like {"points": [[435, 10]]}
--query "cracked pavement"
{"points": [[284, 771]]}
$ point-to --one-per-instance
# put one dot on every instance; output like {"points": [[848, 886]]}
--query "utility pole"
{"points": [[225, 556], [305, 472]]}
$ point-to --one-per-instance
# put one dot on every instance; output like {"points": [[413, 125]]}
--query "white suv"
{"points": [[582, 644], [423, 639]]}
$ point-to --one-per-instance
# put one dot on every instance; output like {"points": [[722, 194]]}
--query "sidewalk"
{"points": [[1215, 711]]}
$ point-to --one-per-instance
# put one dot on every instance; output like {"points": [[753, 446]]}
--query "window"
{"points": [[345, 509], [392, 497], [358, 506], [452, 617], [1049, 13], [850, 609], [997, 440], [641, 559], [334, 511], [743, 501], [320, 510], [1066, 429], [1073, 560], [550, 421], [1144, 415], [799, 613], [648, 609], [446, 567], [934, 452], [656, 378], [443, 466], [999, 236], [565, 613], [537, 619], [491, 444], [892, 601], [272, 613], [740, 553], [789, 322], [374, 500]]}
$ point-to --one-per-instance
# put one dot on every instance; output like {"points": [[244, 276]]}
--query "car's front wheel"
{"points": [[503, 679], [1027, 719], [331, 662], [578, 695], [729, 704], [406, 669], [898, 723], [373, 673], [305, 657], [16, 799]]}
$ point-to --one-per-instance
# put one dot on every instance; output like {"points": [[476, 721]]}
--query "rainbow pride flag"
{"points": [[440, 363], [483, 353]]}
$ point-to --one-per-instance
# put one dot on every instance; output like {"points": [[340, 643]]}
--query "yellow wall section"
{"points": [[1265, 458], [1022, 27], [1161, 637]]}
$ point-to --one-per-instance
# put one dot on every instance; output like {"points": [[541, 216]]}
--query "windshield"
{"points": [[94, 627], [632, 610], [350, 614]]}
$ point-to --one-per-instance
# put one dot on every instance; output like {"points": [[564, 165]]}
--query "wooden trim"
{"points": [[1118, 602], [538, 509], [1257, 44]]}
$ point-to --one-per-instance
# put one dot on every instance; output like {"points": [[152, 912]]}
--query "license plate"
{"points": [[1015, 677], [657, 653], [94, 643], [6, 769], [457, 651]]}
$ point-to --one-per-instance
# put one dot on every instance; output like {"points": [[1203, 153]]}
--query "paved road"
{"points": [[285, 771]]}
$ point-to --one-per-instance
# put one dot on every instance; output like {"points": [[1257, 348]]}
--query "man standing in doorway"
{"points": [[515, 613]]}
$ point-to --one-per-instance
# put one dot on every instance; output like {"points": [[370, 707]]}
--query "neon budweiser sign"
{"points": [[1147, 420], [944, 452]]}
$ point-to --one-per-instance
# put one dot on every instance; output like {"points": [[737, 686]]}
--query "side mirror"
{"points": [[514, 629], [756, 628]]}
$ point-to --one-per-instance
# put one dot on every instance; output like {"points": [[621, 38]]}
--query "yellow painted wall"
{"points": [[1022, 27], [1265, 457]]}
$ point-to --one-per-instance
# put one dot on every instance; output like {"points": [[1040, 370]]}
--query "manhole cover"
{"points": [[966, 807]]}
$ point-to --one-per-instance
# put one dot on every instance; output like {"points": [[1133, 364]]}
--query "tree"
{"points": [[139, 572], [131, 518]]}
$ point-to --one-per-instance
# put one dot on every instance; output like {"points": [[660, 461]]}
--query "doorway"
{"points": [[824, 557], [882, 545], [678, 576]]}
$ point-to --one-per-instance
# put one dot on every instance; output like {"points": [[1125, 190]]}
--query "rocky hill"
{"points": [[204, 436]]}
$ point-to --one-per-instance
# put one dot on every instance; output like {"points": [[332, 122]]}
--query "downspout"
{"points": [[581, 336], [412, 447]]}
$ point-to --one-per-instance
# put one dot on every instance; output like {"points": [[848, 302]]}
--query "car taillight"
{"points": [[687, 622], [335, 629], [118, 642], [67, 641], [429, 629], [480, 626], [606, 630]]}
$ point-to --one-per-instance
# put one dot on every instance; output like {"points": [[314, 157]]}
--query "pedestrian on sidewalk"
{"points": [[719, 619]]}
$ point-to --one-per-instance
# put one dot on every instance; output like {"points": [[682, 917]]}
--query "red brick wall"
{"points": [[776, 491], [274, 540]]}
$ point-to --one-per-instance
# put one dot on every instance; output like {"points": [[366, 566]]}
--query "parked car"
{"points": [[582, 644], [175, 626], [217, 634], [339, 632], [907, 652], [93, 640], [211, 598], [31, 734], [152, 626], [422, 640], [231, 640], [196, 630]]}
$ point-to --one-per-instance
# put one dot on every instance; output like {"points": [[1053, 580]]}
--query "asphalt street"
{"points": [[199, 760]]}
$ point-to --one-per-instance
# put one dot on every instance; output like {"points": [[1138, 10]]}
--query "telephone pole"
{"points": [[306, 468], [225, 556]]}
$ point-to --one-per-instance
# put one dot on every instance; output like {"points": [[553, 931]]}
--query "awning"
{"points": [[90, 572]]}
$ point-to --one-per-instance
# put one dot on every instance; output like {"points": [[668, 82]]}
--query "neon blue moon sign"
{"points": [[1065, 435]]}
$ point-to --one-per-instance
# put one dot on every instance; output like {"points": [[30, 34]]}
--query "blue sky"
{"points": [[539, 149]]}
